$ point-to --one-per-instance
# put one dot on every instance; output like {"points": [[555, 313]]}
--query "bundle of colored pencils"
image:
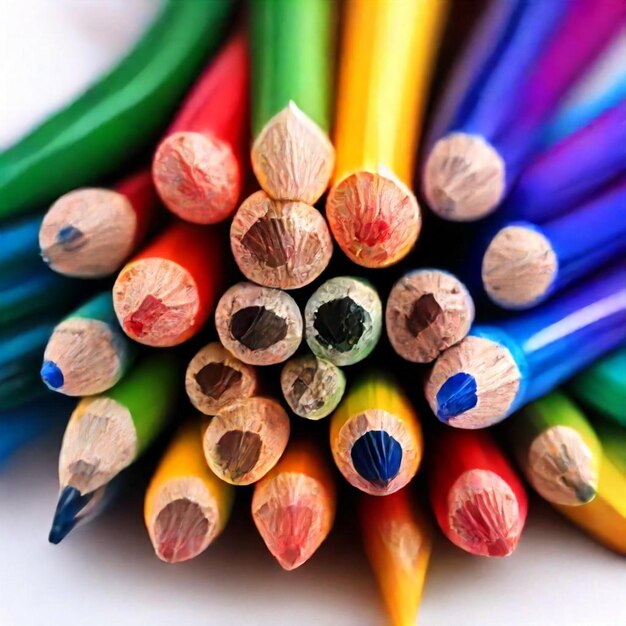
{"points": [[180, 299]]}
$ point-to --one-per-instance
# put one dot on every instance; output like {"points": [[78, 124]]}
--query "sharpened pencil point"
{"points": [[377, 457], [52, 375], [69, 506], [585, 493], [456, 396]]}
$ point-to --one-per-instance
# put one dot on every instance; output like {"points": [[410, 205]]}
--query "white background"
{"points": [[105, 574]]}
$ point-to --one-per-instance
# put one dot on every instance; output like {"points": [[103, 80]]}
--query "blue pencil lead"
{"points": [[456, 395], [70, 237], [67, 514], [377, 456], [52, 375]]}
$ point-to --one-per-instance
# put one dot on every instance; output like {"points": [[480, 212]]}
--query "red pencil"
{"points": [[89, 232], [479, 502], [199, 166], [165, 294]]}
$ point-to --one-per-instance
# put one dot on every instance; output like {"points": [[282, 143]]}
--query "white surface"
{"points": [[105, 574]]}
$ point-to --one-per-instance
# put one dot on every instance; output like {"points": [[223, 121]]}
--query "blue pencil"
{"points": [[23, 425], [19, 244], [502, 366], [525, 262], [496, 127]]}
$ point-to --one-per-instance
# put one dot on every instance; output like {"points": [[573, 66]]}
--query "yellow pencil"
{"points": [[387, 53], [186, 506], [398, 540]]}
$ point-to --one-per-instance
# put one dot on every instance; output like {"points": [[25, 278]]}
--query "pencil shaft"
{"points": [[19, 244]]}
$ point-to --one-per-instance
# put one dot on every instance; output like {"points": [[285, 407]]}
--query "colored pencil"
{"points": [[280, 244], [525, 263], [494, 128], [186, 506], [245, 439], [164, 295], [557, 450], [604, 518], [387, 55], [21, 426], [22, 348], [613, 440], [479, 502], [603, 386], [500, 367], [311, 386], [215, 378], [119, 114], [89, 232], [198, 168], [258, 325], [398, 539], [293, 506], [19, 244], [27, 294], [428, 310], [292, 74], [343, 320], [375, 436], [602, 87], [107, 433], [87, 352]]}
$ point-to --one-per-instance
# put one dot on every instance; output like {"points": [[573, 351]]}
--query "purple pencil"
{"points": [[496, 128]]}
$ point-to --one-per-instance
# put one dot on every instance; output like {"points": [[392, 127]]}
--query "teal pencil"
{"points": [[19, 245], [87, 352]]}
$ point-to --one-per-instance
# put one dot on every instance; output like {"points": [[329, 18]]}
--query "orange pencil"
{"points": [[165, 294]]}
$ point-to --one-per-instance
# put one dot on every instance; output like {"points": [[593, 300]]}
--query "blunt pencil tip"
{"points": [[52, 375], [69, 506], [69, 237], [377, 457], [456, 396]]}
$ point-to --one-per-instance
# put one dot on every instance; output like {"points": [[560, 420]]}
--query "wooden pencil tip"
{"points": [[464, 178]]}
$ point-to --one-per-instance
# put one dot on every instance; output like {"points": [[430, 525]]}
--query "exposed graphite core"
{"points": [[69, 506], [180, 530], [257, 328], [456, 395], [215, 378], [70, 238], [239, 452], [424, 312], [303, 383], [144, 317], [52, 375], [271, 241], [377, 457], [339, 324]]}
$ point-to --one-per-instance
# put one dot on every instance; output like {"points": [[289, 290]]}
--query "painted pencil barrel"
{"points": [[493, 131], [87, 352], [398, 538], [165, 294], [198, 168], [613, 439], [557, 450], [375, 436], [19, 245], [479, 502], [343, 320], [89, 233], [116, 116], [525, 263], [293, 506], [499, 368], [258, 325], [292, 73], [215, 378], [186, 506], [603, 386], [388, 51], [312, 387], [428, 310], [246, 439], [280, 244]]}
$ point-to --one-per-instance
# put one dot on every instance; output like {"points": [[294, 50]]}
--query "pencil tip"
{"points": [[377, 457], [69, 237], [69, 506], [456, 396], [585, 493], [52, 375]]}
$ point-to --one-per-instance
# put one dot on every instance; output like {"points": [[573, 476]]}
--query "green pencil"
{"points": [[106, 433], [292, 73], [557, 449], [613, 439], [603, 386], [87, 352]]}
